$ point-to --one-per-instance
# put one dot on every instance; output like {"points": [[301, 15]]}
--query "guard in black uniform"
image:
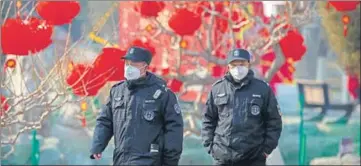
{"points": [[143, 115], [242, 121]]}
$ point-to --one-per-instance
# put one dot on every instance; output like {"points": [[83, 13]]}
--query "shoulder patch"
{"points": [[265, 82], [177, 108]]}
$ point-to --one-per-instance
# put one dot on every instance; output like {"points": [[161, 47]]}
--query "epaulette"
{"points": [[265, 82], [217, 82], [119, 83]]}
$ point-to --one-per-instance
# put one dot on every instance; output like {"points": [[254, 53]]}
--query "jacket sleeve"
{"points": [[103, 129], [273, 122], [209, 123], [173, 130]]}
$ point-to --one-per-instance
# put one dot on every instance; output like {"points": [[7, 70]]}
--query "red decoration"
{"points": [[192, 96], [10, 63], [218, 71], [292, 45], [165, 71], [205, 4], [109, 61], [353, 86], [346, 21], [58, 12], [258, 9], [328, 6], [266, 62], [19, 37], [150, 8], [84, 81], [177, 20], [221, 24], [175, 85], [343, 6], [146, 45], [83, 121], [264, 33], [284, 75], [220, 55], [4, 105]]}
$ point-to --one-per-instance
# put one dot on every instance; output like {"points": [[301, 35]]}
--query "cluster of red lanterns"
{"points": [[22, 36], [87, 80], [293, 49]]}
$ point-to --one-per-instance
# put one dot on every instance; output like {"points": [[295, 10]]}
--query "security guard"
{"points": [[143, 115], [242, 122]]}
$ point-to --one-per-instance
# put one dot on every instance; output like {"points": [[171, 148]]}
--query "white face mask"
{"points": [[131, 72], [239, 72]]}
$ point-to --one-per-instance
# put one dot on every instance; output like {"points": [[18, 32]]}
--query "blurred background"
{"points": [[59, 60]]}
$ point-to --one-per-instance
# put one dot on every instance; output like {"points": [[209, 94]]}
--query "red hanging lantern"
{"points": [[85, 82], [19, 37], [175, 85], [218, 71], [4, 105], [146, 45], [109, 61], [343, 6], [353, 85], [292, 45], [177, 20], [58, 12], [150, 8]]}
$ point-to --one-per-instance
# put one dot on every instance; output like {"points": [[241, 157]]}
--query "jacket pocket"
{"points": [[221, 101], [118, 109]]}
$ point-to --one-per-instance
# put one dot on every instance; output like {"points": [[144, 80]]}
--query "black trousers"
{"points": [[259, 161]]}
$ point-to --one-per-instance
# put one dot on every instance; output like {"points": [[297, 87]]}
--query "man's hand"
{"points": [[97, 156]]}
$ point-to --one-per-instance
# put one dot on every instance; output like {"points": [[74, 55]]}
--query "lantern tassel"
{"points": [[83, 121], [328, 6], [346, 21]]}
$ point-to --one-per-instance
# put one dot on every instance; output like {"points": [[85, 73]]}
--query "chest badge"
{"points": [[255, 110], [148, 115]]}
